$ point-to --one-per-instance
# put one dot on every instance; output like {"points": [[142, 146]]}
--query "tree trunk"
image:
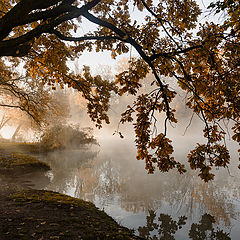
{"points": [[16, 132]]}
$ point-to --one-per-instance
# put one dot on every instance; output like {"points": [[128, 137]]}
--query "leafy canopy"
{"points": [[202, 58]]}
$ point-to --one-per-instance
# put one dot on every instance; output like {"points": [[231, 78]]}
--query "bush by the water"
{"points": [[70, 136]]}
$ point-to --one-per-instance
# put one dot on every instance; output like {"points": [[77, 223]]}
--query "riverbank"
{"points": [[37, 214], [18, 163]]}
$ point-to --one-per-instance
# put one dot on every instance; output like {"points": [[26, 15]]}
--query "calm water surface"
{"points": [[158, 206]]}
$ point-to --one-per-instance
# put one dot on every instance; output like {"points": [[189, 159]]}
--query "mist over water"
{"points": [[110, 176]]}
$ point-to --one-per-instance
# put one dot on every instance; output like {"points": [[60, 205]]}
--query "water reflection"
{"points": [[166, 228], [117, 183], [65, 166]]}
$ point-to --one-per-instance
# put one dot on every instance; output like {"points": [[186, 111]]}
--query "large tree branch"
{"points": [[12, 17], [124, 37], [43, 15], [21, 45], [24, 110]]}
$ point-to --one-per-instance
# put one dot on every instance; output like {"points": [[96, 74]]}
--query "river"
{"points": [[157, 206]]}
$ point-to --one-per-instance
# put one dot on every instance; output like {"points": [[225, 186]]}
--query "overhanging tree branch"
{"points": [[11, 18], [139, 49], [21, 45], [206, 61]]}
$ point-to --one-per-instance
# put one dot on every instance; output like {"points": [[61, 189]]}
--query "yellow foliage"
{"points": [[203, 59]]}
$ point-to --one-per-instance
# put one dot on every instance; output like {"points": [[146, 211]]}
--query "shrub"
{"points": [[66, 136]]}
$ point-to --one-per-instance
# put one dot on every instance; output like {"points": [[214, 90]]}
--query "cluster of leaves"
{"points": [[63, 137], [204, 156], [203, 59], [157, 149]]}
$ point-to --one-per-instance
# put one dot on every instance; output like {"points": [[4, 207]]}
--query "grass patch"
{"points": [[9, 147], [18, 162], [53, 215], [50, 197]]}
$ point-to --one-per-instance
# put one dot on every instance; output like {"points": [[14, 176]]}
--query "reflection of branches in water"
{"points": [[186, 193], [205, 230], [167, 227], [145, 231]]}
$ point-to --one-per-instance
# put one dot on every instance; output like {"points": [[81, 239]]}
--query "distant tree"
{"points": [[202, 58], [4, 119], [26, 94], [29, 105], [66, 137]]}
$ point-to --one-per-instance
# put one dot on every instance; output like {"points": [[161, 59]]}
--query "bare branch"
{"points": [[84, 38], [174, 53], [160, 21]]}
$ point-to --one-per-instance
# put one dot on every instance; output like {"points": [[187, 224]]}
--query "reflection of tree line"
{"points": [[99, 180], [91, 176], [64, 165], [185, 194], [195, 193], [164, 228]]}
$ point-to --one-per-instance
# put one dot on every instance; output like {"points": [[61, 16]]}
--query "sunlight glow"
{"points": [[7, 132]]}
